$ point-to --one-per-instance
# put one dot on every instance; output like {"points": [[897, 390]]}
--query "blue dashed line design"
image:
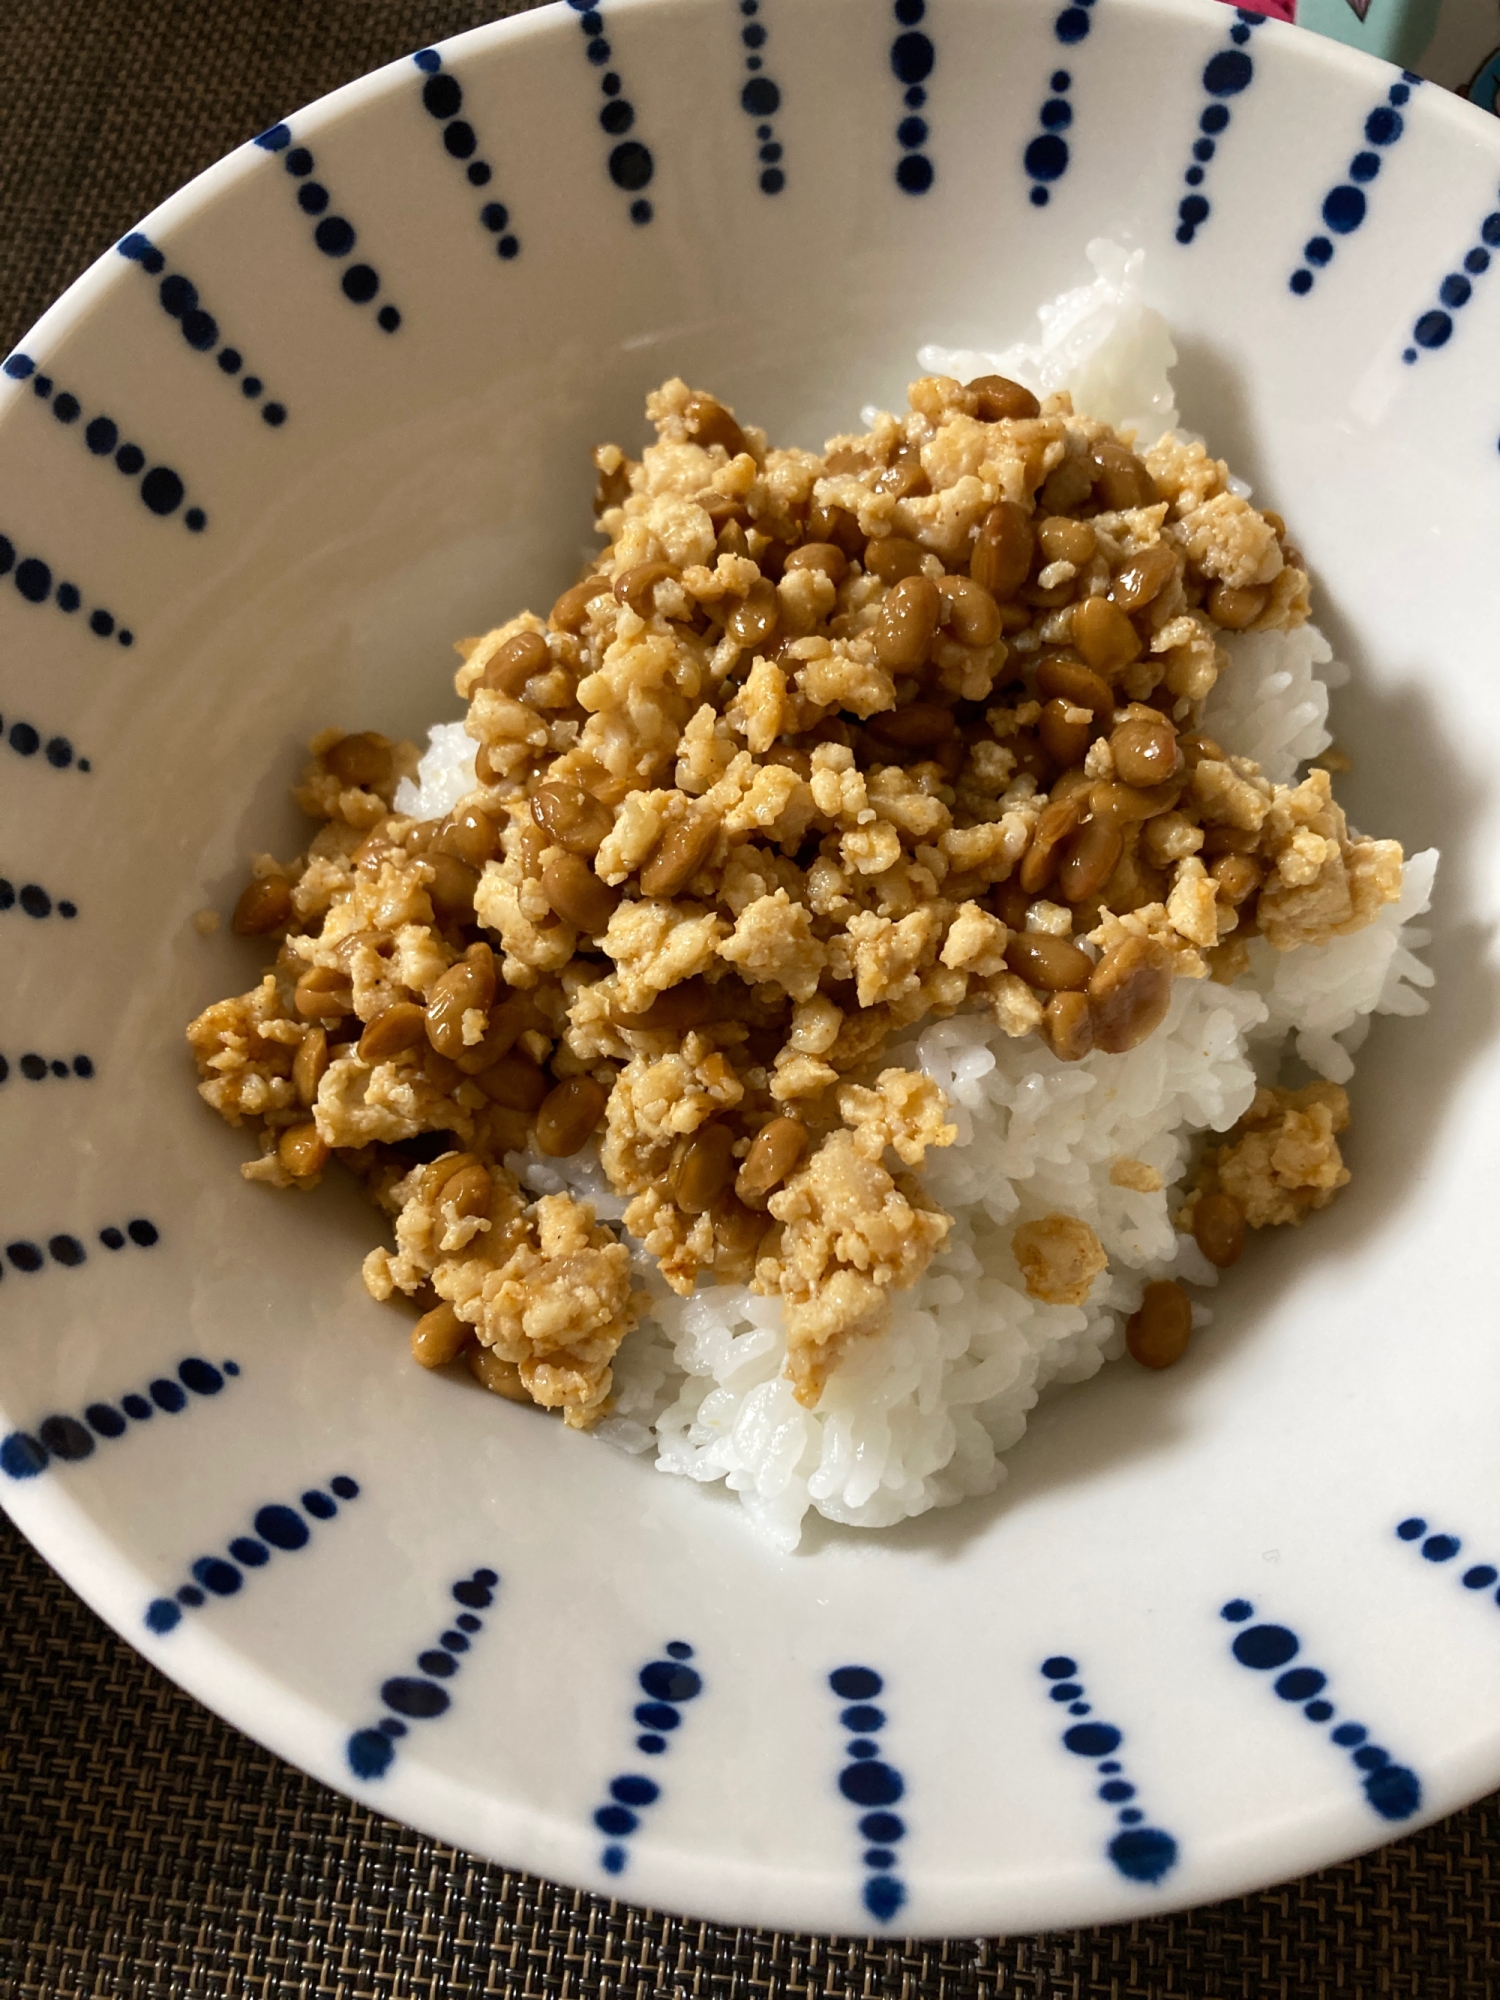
{"points": [[1141, 1853], [179, 300], [67, 1439], [666, 1684], [1346, 206], [1440, 1548], [159, 486], [1046, 157], [1226, 75], [422, 1697], [760, 98], [912, 60], [276, 1527], [29, 1258], [869, 1782], [1393, 1791], [34, 901], [1435, 326], [334, 234], [39, 1069], [443, 98], [26, 740], [35, 581], [630, 164]]}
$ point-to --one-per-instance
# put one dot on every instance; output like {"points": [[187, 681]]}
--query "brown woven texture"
{"points": [[146, 1849]]}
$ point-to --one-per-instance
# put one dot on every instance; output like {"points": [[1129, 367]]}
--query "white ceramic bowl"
{"points": [[260, 466]]}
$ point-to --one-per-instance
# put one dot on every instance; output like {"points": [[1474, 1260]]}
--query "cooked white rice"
{"points": [[919, 1418]]}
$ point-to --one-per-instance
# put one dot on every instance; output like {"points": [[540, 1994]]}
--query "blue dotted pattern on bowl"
{"points": [[1046, 156], [630, 164], [422, 1697], [869, 1781], [26, 739], [178, 298], [67, 1250], [277, 1526], [42, 1069], [1440, 1548], [34, 900], [334, 234], [33, 577], [913, 59], [1346, 206], [1393, 1790], [1141, 1853], [161, 489], [667, 1684], [442, 98], [67, 1439], [760, 98], [1226, 75], [1434, 328]]}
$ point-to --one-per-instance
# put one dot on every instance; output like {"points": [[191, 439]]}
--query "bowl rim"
{"points": [[252, 1699]]}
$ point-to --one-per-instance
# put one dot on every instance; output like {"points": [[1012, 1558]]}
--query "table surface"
{"points": [[146, 1848]]}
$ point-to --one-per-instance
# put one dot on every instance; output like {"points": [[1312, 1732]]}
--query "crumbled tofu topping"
{"points": [[821, 746]]}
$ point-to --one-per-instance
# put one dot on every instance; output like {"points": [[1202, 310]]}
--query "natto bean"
{"points": [[754, 619], [1003, 550], [568, 1116], [1068, 1026], [777, 1150], [918, 726], [1130, 990], [308, 1065], [997, 399], [1051, 964], [577, 895], [567, 814], [635, 587], [1063, 539], [1219, 1229], [968, 611], [1089, 859], [825, 557], [679, 854], [514, 1083], [907, 624], [1079, 686], [364, 760], [451, 890], [512, 665], [301, 1151], [1105, 636], [1159, 1333], [469, 835], [1236, 608], [705, 1169], [709, 423], [1064, 736], [264, 905], [439, 1337], [1121, 480], [1054, 823], [400, 1027], [1145, 752], [1143, 577], [570, 612], [892, 558]]}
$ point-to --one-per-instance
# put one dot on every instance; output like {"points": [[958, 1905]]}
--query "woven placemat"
{"points": [[146, 1849]]}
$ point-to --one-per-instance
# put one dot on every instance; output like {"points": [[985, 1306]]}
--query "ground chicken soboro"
{"points": [[821, 746]]}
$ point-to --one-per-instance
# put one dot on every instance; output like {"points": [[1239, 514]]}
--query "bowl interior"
{"points": [[428, 479]]}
